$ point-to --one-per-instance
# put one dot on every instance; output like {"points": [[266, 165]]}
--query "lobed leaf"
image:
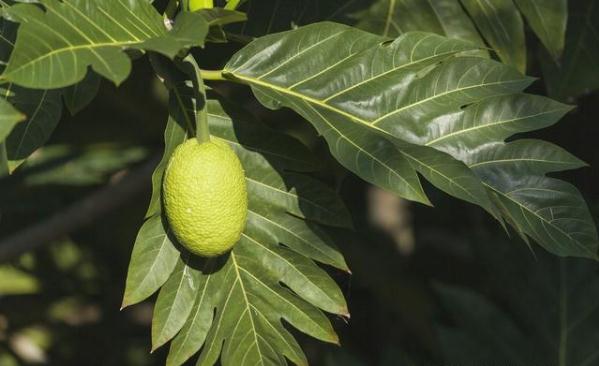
{"points": [[232, 307], [390, 110], [55, 45]]}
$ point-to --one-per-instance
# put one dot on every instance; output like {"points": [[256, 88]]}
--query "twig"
{"points": [[122, 188]]}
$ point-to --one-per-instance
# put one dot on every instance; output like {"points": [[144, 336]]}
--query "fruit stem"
{"points": [[212, 74], [201, 107]]}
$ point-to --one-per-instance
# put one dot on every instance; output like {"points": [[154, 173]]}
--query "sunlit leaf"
{"points": [[418, 107], [56, 43]]}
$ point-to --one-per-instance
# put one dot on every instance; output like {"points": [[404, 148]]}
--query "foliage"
{"points": [[403, 90], [548, 315]]}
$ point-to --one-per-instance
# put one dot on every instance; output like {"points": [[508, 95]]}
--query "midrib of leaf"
{"points": [[247, 308], [543, 221], [409, 156], [323, 104], [271, 290], [91, 46], [371, 124], [291, 265], [415, 191], [266, 321], [224, 308]]}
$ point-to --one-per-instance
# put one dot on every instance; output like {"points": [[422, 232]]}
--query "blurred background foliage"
{"points": [[441, 285]]}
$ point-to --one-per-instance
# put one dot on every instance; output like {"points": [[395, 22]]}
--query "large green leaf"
{"points": [[390, 110], [260, 282], [545, 311], [391, 18], [576, 74], [548, 19], [501, 24], [55, 45]]}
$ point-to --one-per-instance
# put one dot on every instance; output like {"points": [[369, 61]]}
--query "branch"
{"points": [[122, 188]]}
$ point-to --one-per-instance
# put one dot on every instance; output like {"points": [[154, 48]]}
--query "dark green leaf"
{"points": [[548, 19], [419, 108], [500, 22], [545, 311], [42, 109], [9, 117], [153, 260], [78, 96], [576, 73]]}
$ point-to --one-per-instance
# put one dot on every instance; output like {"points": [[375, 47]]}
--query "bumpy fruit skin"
{"points": [[205, 197]]}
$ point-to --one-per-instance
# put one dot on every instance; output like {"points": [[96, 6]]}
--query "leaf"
{"points": [[80, 95], [260, 282], [247, 328], [548, 19], [42, 109], [67, 37], [153, 260], [544, 312], [501, 24], [174, 303], [417, 107], [9, 118], [391, 18], [269, 16], [575, 74]]}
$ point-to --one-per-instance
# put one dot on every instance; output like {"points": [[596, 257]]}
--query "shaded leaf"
{"points": [[575, 74], [545, 311], [9, 117], [42, 109], [391, 18], [501, 24], [153, 259], [80, 95], [548, 19]]}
